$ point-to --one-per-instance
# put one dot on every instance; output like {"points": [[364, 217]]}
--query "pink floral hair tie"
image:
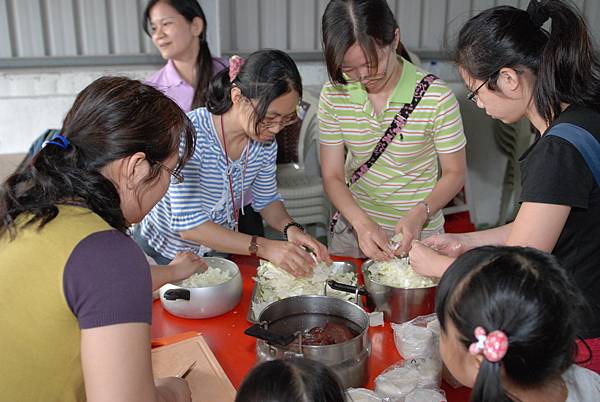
{"points": [[493, 346], [235, 65]]}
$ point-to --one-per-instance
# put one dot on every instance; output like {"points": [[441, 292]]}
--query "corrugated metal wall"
{"points": [[59, 28], [425, 25], [40, 28]]}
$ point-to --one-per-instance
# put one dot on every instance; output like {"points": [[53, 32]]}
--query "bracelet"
{"points": [[289, 225], [426, 208]]}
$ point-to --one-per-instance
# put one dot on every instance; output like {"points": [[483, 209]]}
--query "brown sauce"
{"points": [[329, 334]]}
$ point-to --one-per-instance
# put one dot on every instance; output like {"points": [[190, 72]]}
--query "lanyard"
{"points": [[236, 212]]}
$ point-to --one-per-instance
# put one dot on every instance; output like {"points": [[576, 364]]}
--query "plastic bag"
{"points": [[426, 395], [396, 382], [363, 395], [430, 372], [415, 339]]}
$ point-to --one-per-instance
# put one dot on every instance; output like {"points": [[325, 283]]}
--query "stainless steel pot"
{"points": [[398, 304], [208, 301], [283, 321]]}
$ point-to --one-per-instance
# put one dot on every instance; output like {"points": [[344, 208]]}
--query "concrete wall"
{"points": [[32, 100]]}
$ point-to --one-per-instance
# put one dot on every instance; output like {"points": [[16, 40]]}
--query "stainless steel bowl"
{"points": [[398, 304], [208, 301]]}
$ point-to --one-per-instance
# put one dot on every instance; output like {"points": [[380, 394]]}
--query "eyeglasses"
{"points": [[176, 177], [270, 122], [372, 77], [274, 122], [472, 95]]}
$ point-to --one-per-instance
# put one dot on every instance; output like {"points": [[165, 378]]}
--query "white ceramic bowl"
{"points": [[208, 301]]}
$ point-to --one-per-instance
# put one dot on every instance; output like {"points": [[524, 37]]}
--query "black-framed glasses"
{"points": [[176, 177], [472, 95]]}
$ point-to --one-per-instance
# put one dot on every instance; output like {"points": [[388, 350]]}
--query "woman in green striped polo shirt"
{"points": [[402, 192]]}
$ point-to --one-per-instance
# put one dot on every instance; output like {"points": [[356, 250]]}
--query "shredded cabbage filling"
{"points": [[398, 273], [274, 283], [211, 277]]}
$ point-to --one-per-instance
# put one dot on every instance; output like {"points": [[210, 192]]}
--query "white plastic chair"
{"points": [[300, 184]]}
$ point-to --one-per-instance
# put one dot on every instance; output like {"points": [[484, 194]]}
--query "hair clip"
{"points": [[235, 65], [59, 140], [493, 346]]}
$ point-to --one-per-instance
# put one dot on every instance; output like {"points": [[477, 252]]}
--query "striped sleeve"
{"points": [[264, 188], [448, 133], [329, 127], [186, 211]]}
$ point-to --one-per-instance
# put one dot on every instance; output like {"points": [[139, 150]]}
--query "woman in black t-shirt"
{"points": [[515, 68]]}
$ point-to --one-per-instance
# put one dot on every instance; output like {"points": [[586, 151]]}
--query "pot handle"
{"points": [[259, 332], [346, 288], [174, 294]]}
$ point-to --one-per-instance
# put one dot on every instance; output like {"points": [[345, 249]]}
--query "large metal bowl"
{"points": [[398, 304], [208, 301], [286, 317]]}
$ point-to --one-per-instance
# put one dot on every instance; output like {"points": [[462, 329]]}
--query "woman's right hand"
{"points": [[286, 255], [373, 241], [173, 389], [448, 244]]}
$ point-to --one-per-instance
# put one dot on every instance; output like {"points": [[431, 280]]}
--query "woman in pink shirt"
{"points": [[178, 30]]}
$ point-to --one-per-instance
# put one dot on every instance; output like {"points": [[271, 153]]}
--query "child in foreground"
{"points": [[509, 320]]}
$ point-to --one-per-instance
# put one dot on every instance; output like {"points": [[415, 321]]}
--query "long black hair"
{"points": [[563, 60], [291, 380], [370, 23], [190, 9], [265, 76], [112, 118], [522, 292]]}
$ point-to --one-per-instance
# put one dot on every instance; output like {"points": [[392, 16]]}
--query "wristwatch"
{"points": [[253, 247]]}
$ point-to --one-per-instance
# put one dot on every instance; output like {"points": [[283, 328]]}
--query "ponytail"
{"points": [[204, 71], [53, 176], [218, 95], [488, 385], [569, 70], [401, 51]]}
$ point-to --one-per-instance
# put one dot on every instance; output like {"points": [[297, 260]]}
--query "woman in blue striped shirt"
{"points": [[246, 107]]}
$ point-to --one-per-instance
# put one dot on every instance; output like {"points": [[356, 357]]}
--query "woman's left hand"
{"points": [[410, 227], [299, 237], [186, 264], [426, 261]]}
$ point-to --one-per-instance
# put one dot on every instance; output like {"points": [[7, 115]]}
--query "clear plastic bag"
{"points": [[426, 395], [430, 372], [363, 395], [395, 382], [415, 339]]}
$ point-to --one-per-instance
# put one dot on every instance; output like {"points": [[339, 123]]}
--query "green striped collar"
{"points": [[403, 93]]}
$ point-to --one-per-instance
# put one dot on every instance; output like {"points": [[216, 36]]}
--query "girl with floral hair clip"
{"points": [[508, 327]]}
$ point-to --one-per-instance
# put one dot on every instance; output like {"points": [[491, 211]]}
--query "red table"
{"points": [[235, 351]]}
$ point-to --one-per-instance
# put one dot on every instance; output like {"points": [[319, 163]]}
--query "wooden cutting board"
{"points": [[207, 380]]}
